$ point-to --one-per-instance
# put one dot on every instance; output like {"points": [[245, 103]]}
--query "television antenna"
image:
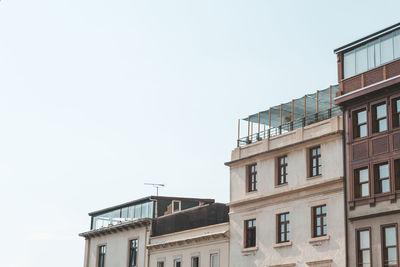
{"points": [[155, 185]]}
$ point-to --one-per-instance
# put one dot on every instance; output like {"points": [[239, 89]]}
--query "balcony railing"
{"points": [[290, 126]]}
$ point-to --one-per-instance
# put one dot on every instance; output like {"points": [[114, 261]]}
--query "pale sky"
{"points": [[98, 97]]}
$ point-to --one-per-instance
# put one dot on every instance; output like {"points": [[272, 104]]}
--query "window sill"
{"points": [[281, 185], [284, 244], [318, 240], [314, 177], [252, 249]]}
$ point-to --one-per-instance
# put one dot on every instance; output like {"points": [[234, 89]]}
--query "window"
{"points": [[176, 205], [102, 256], [133, 249], [250, 233], [252, 178], [396, 112], [160, 264], [178, 263], [397, 173], [363, 248], [214, 260], [283, 227], [319, 221], [360, 124], [382, 181], [315, 161], [282, 170], [389, 246], [379, 123], [195, 261], [361, 182]]}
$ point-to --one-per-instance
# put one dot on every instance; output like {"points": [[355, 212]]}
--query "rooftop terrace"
{"points": [[289, 116]]}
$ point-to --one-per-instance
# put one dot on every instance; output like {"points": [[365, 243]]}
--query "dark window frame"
{"points": [[192, 262], [383, 244], [101, 250], [379, 180], [250, 233], [319, 217], [286, 227], [396, 173], [356, 125], [318, 158], [282, 176], [160, 263], [375, 120], [133, 252], [357, 185], [359, 250], [251, 177], [395, 114]]}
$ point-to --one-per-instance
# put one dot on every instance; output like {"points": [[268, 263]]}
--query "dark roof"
{"points": [[367, 38], [201, 216], [149, 198]]}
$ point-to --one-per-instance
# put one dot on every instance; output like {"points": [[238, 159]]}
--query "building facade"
{"points": [[369, 91], [286, 187]]}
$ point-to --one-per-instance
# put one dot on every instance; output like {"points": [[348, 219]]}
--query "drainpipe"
{"points": [[344, 140]]}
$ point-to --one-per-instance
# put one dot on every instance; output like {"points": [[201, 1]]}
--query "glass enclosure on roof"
{"points": [[372, 55], [120, 215]]}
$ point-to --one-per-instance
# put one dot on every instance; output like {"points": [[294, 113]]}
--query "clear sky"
{"points": [[98, 97]]}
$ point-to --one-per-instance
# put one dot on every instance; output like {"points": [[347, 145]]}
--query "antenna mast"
{"points": [[155, 185]]}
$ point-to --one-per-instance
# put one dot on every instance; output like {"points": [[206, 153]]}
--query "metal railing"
{"points": [[290, 126]]}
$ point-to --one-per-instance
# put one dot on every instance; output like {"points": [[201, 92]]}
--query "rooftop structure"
{"points": [[289, 116]]}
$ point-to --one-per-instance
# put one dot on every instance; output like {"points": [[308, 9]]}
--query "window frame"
{"points": [[395, 115], [315, 217], [378, 180], [318, 158], [358, 249], [396, 177], [211, 256], [383, 241], [251, 178], [281, 175], [130, 252], [173, 205], [247, 231], [161, 263], [375, 120], [279, 232], [176, 261], [356, 125], [101, 256], [357, 186], [198, 261]]}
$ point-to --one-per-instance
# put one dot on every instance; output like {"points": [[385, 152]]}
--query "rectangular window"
{"points": [[379, 123], [102, 256], [389, 246], [315, 161], [195, 261], [361, 182], [250, 233], [160, 264], [252, 178], [396, 113], [176, 205], [319, 221], [283, 227], [382, 180], [397, 173], [282, 170], [214, 260], [178, 263], [133, 250], [360, 124], [363, 248]]}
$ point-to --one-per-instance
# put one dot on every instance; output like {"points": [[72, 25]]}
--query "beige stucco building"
{"points": [[286, 191]]}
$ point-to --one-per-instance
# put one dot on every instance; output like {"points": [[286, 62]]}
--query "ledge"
{"points": [[319, 239], [252, 249], [313, 177], [284, 244], [284, 265], [320, 262], [281, 185]]}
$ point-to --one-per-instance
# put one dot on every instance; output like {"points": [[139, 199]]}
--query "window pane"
{"points": [[386, 49], [381, 111], [382, 125], [385, 186], [364, 190], [377, 54], [364, 239], [365, 257], [383, 171], [363, 130], [362, 117], [371, 57], [361, 60], [214, 260], [363, 175], [392, 257], [349, 65], [398, 105], [390, 236], [397, 45]]}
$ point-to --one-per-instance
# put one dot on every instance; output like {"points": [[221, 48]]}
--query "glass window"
{"points": [[361, 182], [396, 112], [380, 119], [133, 250], [397, 174], [138, 211], [315, 161], [319, 221], [389, 245], [178, 263], [396, 43], [361, 60], [250, 238], [283, 227], [382, 181], [252, 178], [282, 170], [195, 262], [364, 248], [360, 124], [386, 49], [214, 260], [349, 64], [160, 264], [371, 56], [102, 256]]}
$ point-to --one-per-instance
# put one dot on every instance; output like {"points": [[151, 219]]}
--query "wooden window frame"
{"points": [[355, 125], [356, 182], [378, 180], [396, 175], [315, 218], [395, 114], [375, 120], [318, 158], [359, 251], [383, 243], [247, 242], [102, 255], [131, 250], [281, 178], [251, 178], [285, 224]]}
